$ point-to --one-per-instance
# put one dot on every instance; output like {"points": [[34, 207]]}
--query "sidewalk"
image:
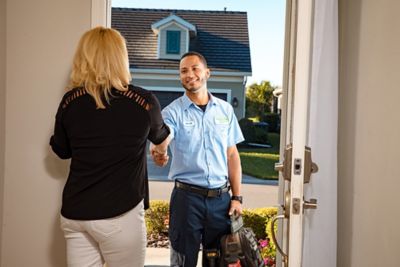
{"points": [[254, 195], [159, 257]]}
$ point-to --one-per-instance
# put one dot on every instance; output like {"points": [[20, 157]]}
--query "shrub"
{"points": [[158, 214], [248, 130], [273, 120], [257, 219], [260, 221], [157, 217], [261, 136]]}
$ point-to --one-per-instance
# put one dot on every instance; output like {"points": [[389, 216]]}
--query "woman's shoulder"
{"points": [[71, 95], [143, 92], [141, 96], [140, 90]]}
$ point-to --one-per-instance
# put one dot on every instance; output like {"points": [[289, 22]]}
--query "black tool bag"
{"points": [[240, 248]]}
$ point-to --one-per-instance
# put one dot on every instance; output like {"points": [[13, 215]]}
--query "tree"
{"points": [[259, 99]]}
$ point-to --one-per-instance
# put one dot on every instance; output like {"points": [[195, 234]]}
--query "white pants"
{"points": [[118, 241]]}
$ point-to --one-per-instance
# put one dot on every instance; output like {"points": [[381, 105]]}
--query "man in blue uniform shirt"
{"points": [[205, 165]]}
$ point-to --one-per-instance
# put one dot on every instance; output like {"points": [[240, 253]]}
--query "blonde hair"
{"points": [[101, 63]]}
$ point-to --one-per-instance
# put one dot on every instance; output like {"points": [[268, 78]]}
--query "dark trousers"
{"points": [[196, 219]]}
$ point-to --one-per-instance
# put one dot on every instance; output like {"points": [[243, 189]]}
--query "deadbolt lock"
{"points": [[285, 167]]}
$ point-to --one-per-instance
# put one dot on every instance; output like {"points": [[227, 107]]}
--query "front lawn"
{"points": [[260, 162]]}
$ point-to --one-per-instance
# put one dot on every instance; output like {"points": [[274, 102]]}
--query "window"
{"points": [[173, 42]]}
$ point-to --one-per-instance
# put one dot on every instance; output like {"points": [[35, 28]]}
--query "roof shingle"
{"points": [[222, 37]]}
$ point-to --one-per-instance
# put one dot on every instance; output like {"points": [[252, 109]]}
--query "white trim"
{"points": [[173, 23], [157, 26], [175, 77], [228, 92], [176, 72], [187, 42], [100, 13]]}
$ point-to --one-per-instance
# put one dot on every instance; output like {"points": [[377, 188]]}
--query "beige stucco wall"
{"points": [[41, 38], [369, 134], [2, 105]]}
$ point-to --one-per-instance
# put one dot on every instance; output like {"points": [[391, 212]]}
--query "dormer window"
{"points": [[174, 35], [173, 42]]}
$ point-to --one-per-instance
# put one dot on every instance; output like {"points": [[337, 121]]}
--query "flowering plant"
{"points": [[268, 251]]}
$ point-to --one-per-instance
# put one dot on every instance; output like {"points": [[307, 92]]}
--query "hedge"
{"points": [[257, 219]]}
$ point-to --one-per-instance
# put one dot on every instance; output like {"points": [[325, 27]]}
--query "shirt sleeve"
{"points": [[59, 142], [235, 134], [158, 129]]}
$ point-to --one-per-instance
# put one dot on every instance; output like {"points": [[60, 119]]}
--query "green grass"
{"points": [[260, 162]]}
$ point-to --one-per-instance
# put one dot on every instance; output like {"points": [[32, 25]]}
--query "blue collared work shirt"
{"points": [[200, 140]]}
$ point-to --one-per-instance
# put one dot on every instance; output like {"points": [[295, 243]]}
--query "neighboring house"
{"points": [[157, 38]]}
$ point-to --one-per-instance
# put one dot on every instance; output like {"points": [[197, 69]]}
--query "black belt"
{"points": [[215, 192]]}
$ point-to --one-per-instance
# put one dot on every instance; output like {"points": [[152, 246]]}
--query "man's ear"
{"points": [[208, 73]]}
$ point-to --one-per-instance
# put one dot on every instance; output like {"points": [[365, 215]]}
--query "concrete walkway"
{"points": [[159, 257], [254, 195]]}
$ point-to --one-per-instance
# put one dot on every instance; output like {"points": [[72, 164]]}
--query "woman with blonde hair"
{"points": [[103, 124]]}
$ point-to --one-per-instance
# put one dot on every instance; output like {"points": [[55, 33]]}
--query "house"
{"points": [[157, 38]]}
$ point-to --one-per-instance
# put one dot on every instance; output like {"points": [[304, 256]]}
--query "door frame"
{"points": [[294, 131], [100, 13]]}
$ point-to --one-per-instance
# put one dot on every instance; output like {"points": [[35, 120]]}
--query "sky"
{"points": [[266, 21]]}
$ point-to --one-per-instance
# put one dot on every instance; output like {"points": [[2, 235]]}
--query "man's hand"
{"points": [[160, 158], [235, 207]]}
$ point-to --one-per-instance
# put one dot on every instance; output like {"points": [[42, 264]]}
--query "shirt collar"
{"points": [[187, 102]]}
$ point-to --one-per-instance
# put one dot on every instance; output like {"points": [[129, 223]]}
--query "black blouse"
{"points": [[107, 147]]}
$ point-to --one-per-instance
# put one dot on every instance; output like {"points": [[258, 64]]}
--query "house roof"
{"points": [[222, 37]]}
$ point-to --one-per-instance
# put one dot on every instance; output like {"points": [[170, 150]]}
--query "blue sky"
{"points": [[266, 20]]}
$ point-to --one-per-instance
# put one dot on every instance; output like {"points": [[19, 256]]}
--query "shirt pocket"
{"points": [[220, 133], [188, 138]]}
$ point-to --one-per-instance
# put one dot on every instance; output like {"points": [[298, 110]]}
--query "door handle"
{"points": [[311, 204], [284, 255], [285, 167], [310, 167], [285, 215]]}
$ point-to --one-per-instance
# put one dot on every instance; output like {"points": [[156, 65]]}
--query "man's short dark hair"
{"points": [[197, 54]]}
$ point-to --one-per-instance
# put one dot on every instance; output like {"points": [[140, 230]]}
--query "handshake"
{"points": [[159, 156]]}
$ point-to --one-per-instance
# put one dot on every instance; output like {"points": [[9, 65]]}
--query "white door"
{"points": [[309, 80]]}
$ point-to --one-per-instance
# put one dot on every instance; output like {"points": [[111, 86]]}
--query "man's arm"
{"points": [[235, 178]]}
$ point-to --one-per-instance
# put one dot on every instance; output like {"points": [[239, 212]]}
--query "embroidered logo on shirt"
{"points": [[188, 123], [221, 120]]}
